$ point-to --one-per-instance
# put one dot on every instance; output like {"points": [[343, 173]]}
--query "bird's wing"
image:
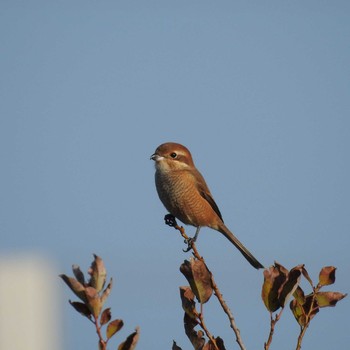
{"points": [[205, 193]]}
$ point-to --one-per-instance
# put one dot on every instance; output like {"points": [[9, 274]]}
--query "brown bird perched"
{"points": [[185, 194]]}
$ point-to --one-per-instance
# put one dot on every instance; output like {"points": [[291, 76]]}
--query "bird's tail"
{"points": [[246, 253]]}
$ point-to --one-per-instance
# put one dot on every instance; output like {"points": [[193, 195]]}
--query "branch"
{"points": [[191, 245]]}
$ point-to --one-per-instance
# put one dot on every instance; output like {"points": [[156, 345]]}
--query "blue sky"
{"points": [[258, 91]]}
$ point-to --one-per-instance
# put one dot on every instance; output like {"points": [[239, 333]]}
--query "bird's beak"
{"points": [[156, 157]]}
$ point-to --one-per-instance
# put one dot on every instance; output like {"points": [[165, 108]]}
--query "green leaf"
{"points": [[325, 299], [298, 312]]}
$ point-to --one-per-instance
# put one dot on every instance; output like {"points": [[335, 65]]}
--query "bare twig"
{"points": [[205, 329], [102, 343], [304, 328], [214, 286], [273, 322]]}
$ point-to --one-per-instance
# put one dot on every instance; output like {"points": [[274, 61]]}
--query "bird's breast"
{"points": [[179, 193]]}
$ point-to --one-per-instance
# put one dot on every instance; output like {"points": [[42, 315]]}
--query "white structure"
{"points": [[30, 317]]}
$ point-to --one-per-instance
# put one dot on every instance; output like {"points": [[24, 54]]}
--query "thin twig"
{"points": [[301, 335], [228, 313], [102, 342], [273, 322], [304, 328], [215, 288], [205, 329]]}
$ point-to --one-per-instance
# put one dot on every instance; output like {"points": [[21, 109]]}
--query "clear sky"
{"points": [[259, 91]]}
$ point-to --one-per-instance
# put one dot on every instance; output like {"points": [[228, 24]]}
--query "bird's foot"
{"points": [[170, 220], [189, 242]]}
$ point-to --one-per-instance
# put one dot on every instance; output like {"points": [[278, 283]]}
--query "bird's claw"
{"points": [[189, 242], [170, 220]]}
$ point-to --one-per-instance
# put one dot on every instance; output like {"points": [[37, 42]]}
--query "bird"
{"points": [[185, 194]]}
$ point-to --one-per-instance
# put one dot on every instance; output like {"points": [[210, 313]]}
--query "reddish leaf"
{"points": [[196, 338], [306, 275], [93, 301], [188, 303], [131, 341], [113, 327], [327, 276], [199, 278], [105, 316], [77, 288]]}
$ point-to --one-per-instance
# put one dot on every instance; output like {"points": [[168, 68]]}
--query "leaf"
{"points": [[303, 313], [175, 347], [306, 275], [274, 279], [131, 341], [105, 316], [98, 274], [81, 308], [199, 278], [219, 345], [106, 292], [298, 312], [113, 327], [93, 301], [196, 338], [311, 306], [77, 288], [327, 276], [299, 295], [78, 274], [325, 299], [290, 285], [279, 284], [188, 303]]}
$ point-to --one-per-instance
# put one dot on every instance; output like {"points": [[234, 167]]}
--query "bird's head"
{"points": [[172, 156]]}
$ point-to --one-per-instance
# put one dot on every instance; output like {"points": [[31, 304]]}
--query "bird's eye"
{"points": [[173, 155]]}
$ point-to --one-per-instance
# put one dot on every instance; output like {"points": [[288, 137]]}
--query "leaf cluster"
{"points": [[93, 295], [280, 285]]}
